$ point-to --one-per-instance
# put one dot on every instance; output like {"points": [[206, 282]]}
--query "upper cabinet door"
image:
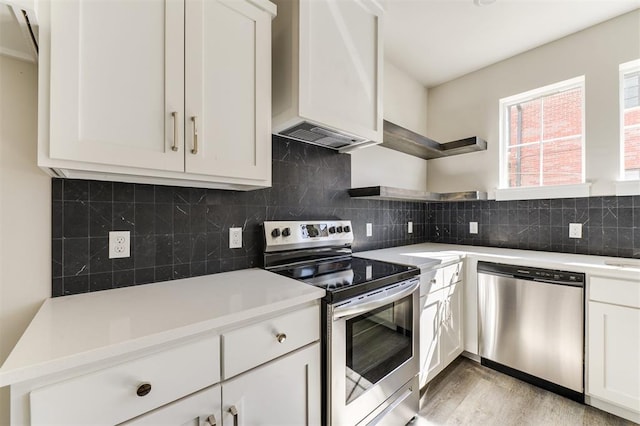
{"points": [[228, 89], [341, 65], [117, 75]]}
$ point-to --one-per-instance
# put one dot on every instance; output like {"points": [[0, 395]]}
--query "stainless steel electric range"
{"points": [[370, 320]]}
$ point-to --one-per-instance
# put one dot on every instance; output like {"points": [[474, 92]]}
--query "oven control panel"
{"points": [[288, 235]]}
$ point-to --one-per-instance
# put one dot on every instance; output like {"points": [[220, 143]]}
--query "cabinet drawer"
{"points": [[447, 276], [109, 396], [451, 274], [256, 344], [618, 292]]}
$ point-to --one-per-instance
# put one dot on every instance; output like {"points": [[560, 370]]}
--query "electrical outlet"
{"points": [[119, 244], [473, 227], [410, 227], [369, 229], [575, 230], [235, 237]]}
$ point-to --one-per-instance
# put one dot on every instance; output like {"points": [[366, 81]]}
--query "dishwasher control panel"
{"points": [[528, 273]]}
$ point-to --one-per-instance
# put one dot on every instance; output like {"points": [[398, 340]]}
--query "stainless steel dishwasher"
{"points": [[531, 325]]}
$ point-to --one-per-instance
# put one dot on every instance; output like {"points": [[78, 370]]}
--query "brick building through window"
{"points": [[631, 123], [543, 138]]}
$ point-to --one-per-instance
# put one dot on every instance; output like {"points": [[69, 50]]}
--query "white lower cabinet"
{"points": [[265, 371], [430, 360], [199, 409], [128, 389], [441, 337], [613, 348], [283, 392], [451, 340]]}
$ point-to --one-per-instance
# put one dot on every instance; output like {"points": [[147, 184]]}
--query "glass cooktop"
{"points": [[349, 277]]}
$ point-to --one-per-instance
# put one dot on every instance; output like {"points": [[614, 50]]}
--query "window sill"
{"points": [[628, 187], [543, 192]]}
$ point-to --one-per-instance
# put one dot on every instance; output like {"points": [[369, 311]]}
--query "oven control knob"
{"points": [[286, 232], [347, 229], [339, 229], [275, 233], [332, 230]]}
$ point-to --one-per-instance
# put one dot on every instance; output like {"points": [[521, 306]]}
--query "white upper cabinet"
{"points": [[327, 66], [158, 91], [228, 89], [116, 74]]}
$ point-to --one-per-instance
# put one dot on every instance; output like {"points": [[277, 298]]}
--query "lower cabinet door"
{"points": [[430, 357], [282, 392], [451, 339], [614, 351], [200, 409]]}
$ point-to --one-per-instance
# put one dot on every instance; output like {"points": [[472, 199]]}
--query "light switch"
{"points": [[369, 229]]}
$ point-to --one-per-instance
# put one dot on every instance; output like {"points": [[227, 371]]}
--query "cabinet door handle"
{"points": [[281, 337], [211, 420], [234, 412], [194, 151], [174, 115]]}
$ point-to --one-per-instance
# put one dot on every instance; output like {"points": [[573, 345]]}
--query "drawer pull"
{"points": [[234, 412], [143, 389], [211, 420], [281, 337]]}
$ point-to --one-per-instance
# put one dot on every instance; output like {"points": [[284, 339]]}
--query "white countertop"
{"points": [[422, 255], [73, 330]]}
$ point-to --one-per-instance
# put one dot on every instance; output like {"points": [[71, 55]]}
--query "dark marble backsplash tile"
{"points": [[610, 225], [182, 232]]}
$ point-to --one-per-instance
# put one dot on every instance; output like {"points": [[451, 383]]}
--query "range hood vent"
{"points": [[400, 194], [329, 138], [404, 140]]}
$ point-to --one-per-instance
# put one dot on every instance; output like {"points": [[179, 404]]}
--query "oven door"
{"points": [[372, 352]]}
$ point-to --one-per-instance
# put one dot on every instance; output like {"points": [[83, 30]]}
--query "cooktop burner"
{"points": [[318, 252], [349, 277]]}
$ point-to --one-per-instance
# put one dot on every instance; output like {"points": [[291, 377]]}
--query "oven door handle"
{"points": [[361, 307]]}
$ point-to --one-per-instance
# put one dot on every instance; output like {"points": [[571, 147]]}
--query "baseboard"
{"points": [[625, 413], [471, 356]]}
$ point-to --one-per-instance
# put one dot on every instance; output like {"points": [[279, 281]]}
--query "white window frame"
{"points": [[626, 68], [544, 191]]}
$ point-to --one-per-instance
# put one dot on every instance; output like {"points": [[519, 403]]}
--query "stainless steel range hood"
{"points": [[400, 194], [308, 132], [404, 140]]}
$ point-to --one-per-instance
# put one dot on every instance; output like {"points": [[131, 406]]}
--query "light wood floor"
{"points": [[467, 393]]}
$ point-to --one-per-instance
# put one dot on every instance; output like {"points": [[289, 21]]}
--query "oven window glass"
{"points": [[377, 343]]}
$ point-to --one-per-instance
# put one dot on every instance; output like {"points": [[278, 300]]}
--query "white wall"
{"points": [[25, 210], [469, 105], [405, 104]]}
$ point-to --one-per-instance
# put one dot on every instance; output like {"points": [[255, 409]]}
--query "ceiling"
{"points": [[435, 41]]}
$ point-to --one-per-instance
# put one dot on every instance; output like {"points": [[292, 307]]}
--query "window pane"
{"points": [[563, 114], [524, 166], [632, 149], [528, 115], [550, 118], [631, 124], [632, 117], [562, 162], [632, 89]]}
